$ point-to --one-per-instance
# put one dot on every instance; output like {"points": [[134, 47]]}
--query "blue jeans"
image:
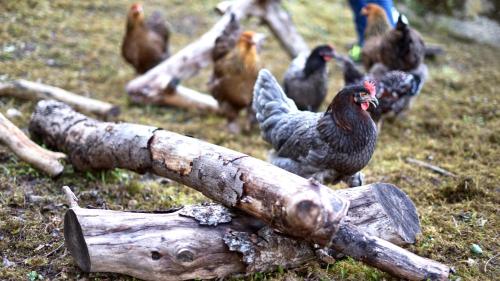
{"points": [[360, 20]]}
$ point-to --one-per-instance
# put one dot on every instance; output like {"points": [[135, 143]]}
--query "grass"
{"points": [[75, 45]]}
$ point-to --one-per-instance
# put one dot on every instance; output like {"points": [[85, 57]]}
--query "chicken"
{"points": [[395, 89], [401, 48], [377, 24], [145, 43], [330, 146], [234, 74], [306, 80]]}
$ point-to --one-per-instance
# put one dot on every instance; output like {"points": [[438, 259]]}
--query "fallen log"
{"points": [[28, 151], [182, 244], [179, 96], [187, 62], [293, 205], [37, 91]]}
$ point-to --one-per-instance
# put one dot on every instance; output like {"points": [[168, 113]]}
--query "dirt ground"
{"points": [[75, 45]]}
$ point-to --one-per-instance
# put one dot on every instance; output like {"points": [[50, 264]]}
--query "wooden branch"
{"points": [[187, 62], [28, 151], [36, 91], [293, 205], [181, 97], [281, 25], [182, 244], [430, 167]]}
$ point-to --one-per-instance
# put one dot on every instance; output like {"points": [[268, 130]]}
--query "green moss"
{"points": [[454, 124]]}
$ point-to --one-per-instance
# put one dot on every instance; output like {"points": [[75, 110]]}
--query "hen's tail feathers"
{"points": [[227, 40], [157, 23], [402, 23], [433, 51], [269, 101]]}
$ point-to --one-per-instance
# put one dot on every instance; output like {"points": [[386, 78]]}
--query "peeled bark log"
{"points": [[181, 97], [293, 205], [37, 91], [151, 86], [182, 244], [28, 151]]}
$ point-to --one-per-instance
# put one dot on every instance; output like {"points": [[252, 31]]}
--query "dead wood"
{"points": [[182, 244], [37, 91], [28, 151], [431, 167], [152, 86], [292, 205]]}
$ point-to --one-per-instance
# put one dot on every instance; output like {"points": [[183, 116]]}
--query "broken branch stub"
{"points": [[28, 151], [182, 244], [287, 202]]}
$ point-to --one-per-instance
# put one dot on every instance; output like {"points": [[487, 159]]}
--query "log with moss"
{"points": [[295, 206]]}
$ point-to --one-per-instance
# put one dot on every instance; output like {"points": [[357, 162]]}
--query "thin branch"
{"points": [[430, 167]]}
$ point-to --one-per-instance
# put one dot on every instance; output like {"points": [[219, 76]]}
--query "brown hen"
{"points": [[377, 24], [146, 42], [234, 74]]}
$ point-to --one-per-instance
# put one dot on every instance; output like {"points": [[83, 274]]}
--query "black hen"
{"points": [[330, 146], [402, 48], [306, 80]]}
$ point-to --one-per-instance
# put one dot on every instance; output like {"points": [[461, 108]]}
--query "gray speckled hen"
{"points": [[395, 89], [330, 146], [306, 79]]}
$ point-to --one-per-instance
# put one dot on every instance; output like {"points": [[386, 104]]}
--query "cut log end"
{"points": [[75, 241], [399, 207]]}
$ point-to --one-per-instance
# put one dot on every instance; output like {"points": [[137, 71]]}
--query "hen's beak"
{"points": [[370, 99], [258, 39]]}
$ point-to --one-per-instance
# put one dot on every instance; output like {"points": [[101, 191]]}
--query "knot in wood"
{"points": [[307, 212], [185, 255], [155, 255]]}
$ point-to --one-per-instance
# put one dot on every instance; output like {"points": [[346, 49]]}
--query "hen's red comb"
{"points": [[136, 7], [370, 87]]}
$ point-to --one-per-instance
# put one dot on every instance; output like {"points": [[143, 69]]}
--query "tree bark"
{"points": [[182, 244], [37, 91], [151, 86], [293, 205], [28, 151]]}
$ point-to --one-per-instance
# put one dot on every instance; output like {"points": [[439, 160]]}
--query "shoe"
{"points": [[355, 53]]}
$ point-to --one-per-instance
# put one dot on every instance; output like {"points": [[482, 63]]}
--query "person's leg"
{"points": [[359, 20]]}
